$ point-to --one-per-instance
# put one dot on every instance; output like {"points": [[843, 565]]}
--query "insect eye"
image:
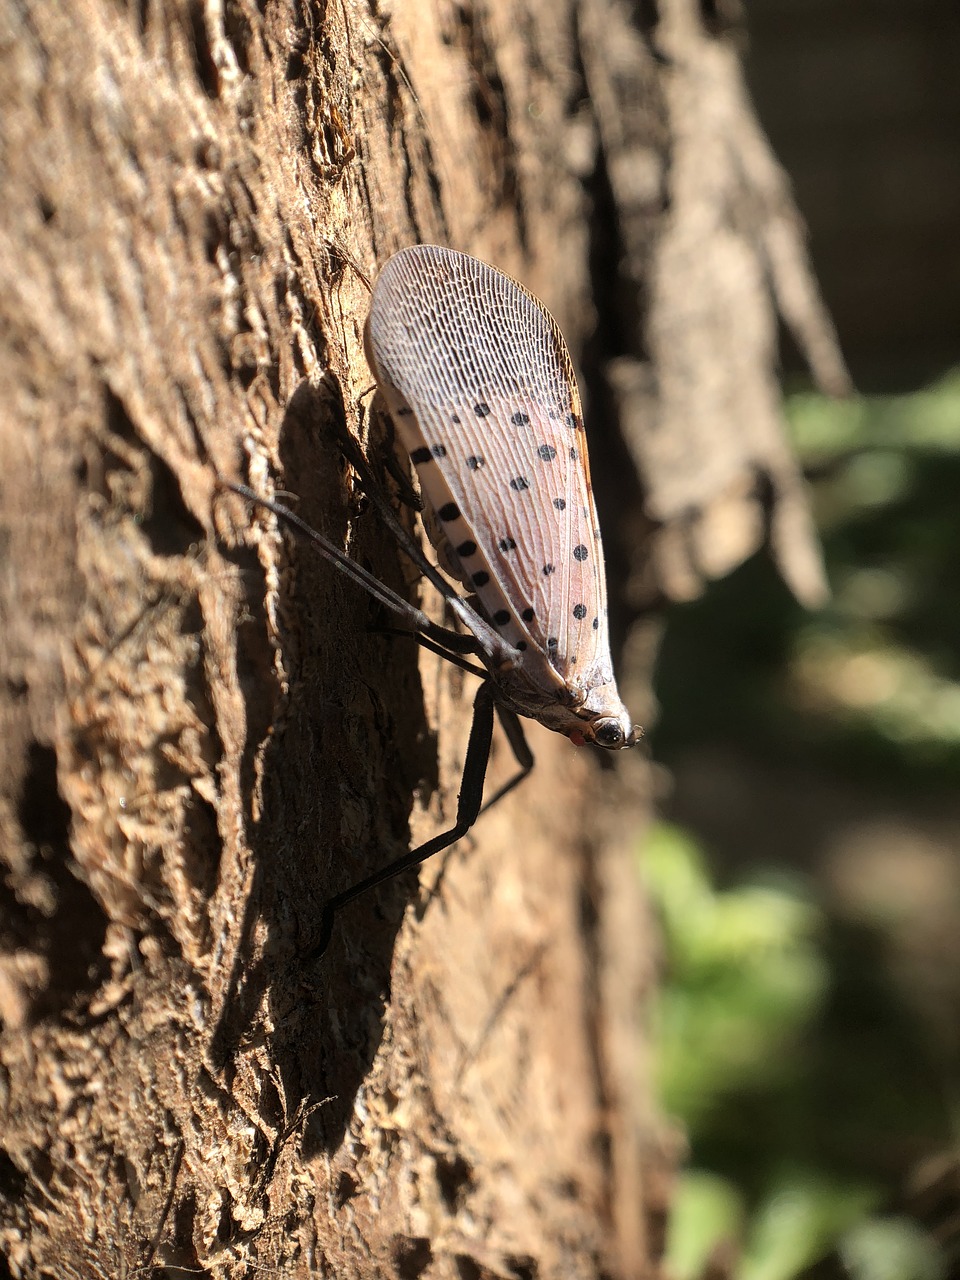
{"points": [[609, 734]]}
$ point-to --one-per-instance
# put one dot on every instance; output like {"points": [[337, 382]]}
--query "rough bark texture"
{"points": [[200, 735]]}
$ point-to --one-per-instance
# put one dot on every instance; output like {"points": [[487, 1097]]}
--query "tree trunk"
{"points": [[203, 734]]}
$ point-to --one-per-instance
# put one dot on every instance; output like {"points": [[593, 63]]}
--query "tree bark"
{"points": [[202, 734]]}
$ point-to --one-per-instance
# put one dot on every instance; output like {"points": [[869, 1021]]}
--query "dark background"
{"points": [[862, 104]]}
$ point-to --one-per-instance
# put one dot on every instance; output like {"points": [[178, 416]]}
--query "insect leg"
{"points": [[468, 807], [513, 728], [491, 641], [401, 478], [408, 612], [439, 650], [511, 722]]}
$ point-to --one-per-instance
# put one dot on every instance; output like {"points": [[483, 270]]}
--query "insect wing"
{"points": [[480, 384]]}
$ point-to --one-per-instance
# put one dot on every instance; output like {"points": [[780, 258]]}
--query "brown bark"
{"points": [[202, 738]]}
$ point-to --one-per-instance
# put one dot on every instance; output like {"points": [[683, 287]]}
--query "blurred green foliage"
{"points": [[806, 1076], [751, 1059], [744, 975]]}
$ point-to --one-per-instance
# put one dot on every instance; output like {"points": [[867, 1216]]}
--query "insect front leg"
{"points": [[400, 475], [451, 650], [469, 803], [408, 613], [492, 643]]}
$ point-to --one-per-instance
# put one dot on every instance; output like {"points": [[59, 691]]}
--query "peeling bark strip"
{"points": [[202, 740]]}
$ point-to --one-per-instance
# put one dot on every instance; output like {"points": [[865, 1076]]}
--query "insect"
{"points": [[478, 382]]}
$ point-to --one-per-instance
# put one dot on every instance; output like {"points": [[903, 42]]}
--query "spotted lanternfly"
{"points": [[479, 384]]}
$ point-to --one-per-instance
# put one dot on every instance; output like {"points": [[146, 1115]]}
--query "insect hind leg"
{"points": [[469, 804], [511, 723]]}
